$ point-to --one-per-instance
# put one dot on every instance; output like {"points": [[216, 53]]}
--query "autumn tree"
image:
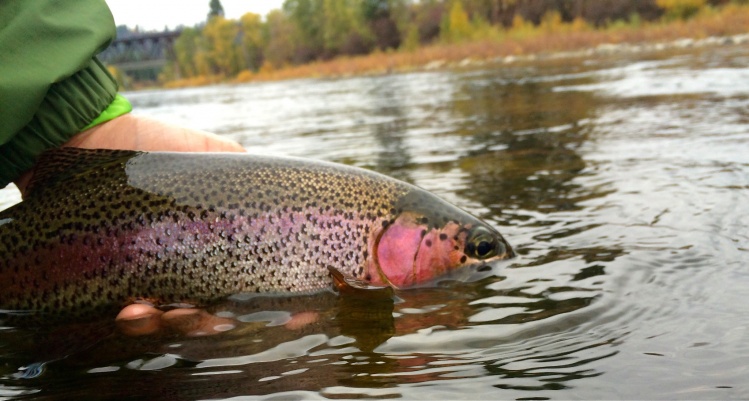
{"points": [[403, 15], [455, 25], [428, 17], [380, 16], [202, 59], [344, 30], [185, 48], [251, 41], [680, 9], [278, 36], [223, 53], [307, 21], [307, 30]]}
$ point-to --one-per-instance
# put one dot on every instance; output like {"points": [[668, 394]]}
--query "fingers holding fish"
{"points": [[142, 319]]}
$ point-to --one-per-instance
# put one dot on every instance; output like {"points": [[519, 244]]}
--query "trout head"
{"points": [[427, 238]]}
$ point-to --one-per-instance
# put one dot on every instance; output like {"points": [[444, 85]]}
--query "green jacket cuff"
{"points": [[68, 107]]}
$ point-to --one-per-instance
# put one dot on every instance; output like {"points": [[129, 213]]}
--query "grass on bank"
{"points": [[489, 42]]}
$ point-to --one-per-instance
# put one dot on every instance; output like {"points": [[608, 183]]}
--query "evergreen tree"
{"points": [[215, 9]]}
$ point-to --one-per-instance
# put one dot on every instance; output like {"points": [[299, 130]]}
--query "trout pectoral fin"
{"points": [[351, 287]]}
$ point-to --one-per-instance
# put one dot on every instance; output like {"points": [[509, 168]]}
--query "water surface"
{"points": [[621, 182]]}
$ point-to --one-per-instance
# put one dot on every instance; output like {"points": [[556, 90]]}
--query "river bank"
{"points": [[727, 25]]}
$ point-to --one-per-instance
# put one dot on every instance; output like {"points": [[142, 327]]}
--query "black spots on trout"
{"points": [[463, 259], [443, 237], [428, 243], [359, 201]]}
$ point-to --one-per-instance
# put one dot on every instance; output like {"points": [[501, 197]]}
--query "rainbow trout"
{"points": [[99, 228]]}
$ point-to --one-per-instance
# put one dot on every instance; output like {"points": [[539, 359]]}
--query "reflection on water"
{"points": [[393, 157], [622, 183]]}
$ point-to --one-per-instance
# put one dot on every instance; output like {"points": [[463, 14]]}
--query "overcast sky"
{"points": [[155, 14]]}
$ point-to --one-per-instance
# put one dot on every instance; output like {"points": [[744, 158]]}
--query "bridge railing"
{"points": [[141, 56]]}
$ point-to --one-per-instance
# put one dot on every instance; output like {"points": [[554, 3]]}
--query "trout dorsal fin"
{"points": [[60, 164]]}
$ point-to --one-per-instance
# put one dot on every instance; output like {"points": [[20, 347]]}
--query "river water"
{"points": [[622, 182]]}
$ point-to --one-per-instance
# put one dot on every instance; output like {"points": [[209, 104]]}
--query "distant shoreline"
{"points": [[602, 49], [724, 27]]}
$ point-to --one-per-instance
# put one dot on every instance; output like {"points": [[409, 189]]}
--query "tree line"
{"points": [[303, 31]]}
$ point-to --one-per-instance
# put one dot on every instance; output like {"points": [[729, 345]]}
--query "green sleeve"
{"points": [[51, 84]]}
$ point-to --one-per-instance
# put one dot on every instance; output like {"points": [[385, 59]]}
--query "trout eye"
{"points": [[484, 248], [482, 244]]}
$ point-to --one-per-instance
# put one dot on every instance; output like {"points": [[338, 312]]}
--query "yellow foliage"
{"points": [[580, 25], [245, 76], [669, 4], [552, 22], [680, 9], [223, 54], [252, 41], [456, 27], [203, 65], [210, 50], [521, 27], [280, 45], [411, 40], [267, 68], [483, 30]]}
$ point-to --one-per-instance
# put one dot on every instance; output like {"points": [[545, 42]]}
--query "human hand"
{"points": [[142, 319], [132, 132]]}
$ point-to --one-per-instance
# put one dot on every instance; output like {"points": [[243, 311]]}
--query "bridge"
{"points": [[141, 56]]}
